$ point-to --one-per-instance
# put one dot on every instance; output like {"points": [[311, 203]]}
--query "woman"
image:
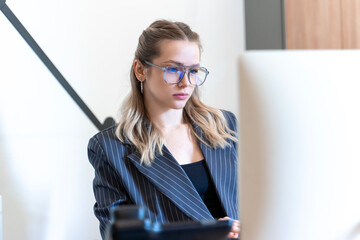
{"points": [[170, 153]]}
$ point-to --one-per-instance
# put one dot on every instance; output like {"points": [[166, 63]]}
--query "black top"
{"points": [[199, 175]]}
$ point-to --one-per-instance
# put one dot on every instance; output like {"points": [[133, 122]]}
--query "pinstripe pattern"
{"points": [[163, 188]]}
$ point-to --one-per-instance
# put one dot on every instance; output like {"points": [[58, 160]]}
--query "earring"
{"points": [[141, 87]]}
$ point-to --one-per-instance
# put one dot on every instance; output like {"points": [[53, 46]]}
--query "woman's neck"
{"points": [[168, 120]]}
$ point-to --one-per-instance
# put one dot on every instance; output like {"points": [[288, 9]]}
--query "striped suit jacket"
{"points": [[162, 188]]}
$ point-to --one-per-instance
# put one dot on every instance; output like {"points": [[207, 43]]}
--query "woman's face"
{"points": [[157, 93]]}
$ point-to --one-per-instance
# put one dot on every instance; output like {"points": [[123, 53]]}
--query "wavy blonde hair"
{"points": [[134, 124]]}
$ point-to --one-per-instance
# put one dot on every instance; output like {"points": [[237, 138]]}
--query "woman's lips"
{"points": [[180, 96]]}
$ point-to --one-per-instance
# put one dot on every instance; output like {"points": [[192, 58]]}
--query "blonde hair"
{"points": [[134, 124]]}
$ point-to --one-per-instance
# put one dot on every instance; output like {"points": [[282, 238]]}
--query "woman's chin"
{"points": [[178, 104]]}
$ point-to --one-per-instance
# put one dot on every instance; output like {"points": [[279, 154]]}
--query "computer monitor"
{"points": [[300, 145]]}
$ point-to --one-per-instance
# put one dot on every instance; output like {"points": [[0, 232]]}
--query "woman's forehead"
{"points": [[182, 52]]}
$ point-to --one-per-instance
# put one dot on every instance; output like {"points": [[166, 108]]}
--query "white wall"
{"points": [[45, 178], [300, 138]]}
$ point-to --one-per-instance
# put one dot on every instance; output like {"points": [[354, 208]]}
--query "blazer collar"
{"points": [[169, 177]]}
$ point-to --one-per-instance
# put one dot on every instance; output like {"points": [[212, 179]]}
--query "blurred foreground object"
{"points": [[300, 137], [1, 229], [129, 223]]}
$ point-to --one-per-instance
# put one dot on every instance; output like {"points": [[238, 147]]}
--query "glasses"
{"points": [[173, 74]]}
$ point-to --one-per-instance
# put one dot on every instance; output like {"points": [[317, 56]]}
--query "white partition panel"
{"points": [[1, 224], [300, 145]]}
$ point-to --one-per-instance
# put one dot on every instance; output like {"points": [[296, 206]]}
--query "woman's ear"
{"points": [[140, 71]]}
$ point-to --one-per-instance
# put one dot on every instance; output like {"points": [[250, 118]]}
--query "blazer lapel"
{"points": [[222, 164], [168, 176]]}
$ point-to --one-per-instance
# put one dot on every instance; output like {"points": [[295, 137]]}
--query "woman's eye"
{"points": [[194, 71], [172, 69]]}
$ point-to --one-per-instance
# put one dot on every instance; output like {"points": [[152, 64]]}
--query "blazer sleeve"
{"points": [[107, 186]]}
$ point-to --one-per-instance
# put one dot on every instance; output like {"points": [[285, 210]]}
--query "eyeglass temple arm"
{"points": [[151, 64]]}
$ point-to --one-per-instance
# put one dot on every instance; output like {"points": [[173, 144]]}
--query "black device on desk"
{"points": [[129, 223]]}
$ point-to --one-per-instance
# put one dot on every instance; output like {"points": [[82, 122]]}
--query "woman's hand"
{"points": [[235, 229]]}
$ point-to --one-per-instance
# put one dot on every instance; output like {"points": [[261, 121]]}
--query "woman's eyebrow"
{"points": [[181, 64]]}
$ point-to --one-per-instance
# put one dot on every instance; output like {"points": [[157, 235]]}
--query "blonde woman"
{"points": [[170, 153]]}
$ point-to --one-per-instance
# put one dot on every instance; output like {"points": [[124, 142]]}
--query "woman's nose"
{"points": [[185, 81]]}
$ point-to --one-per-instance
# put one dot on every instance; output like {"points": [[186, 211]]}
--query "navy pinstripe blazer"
{"points": [[162, 188]]}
